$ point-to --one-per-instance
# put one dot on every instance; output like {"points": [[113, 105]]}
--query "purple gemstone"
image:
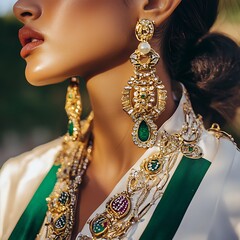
{"points": [[120, 205]]}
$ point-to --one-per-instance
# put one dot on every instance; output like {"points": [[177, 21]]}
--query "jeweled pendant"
{"points": [[119, 206], [64, 198], [192, 151], [60, 223], [152, 165], [144, 132], [99, 225]]}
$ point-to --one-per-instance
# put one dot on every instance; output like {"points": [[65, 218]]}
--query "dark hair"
{"points": [[208, 64]]}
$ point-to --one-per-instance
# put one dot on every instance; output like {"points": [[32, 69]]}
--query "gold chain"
{"points": [[121, 212]]}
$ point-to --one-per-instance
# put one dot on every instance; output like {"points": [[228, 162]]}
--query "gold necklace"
{"points": [[120, 212]]}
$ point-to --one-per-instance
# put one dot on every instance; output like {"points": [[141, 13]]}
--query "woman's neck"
{"points": [[112, 127]]}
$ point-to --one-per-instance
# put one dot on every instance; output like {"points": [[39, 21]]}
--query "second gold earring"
{"points": [[144, 98]]}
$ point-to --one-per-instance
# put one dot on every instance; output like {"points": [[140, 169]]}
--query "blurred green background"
{"points": [[30, 116]]}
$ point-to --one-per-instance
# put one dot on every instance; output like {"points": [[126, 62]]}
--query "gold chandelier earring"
{"points": [[144, 98], [73, 109]]}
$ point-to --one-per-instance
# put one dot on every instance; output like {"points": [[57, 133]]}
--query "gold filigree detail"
{"points": [[144, 30]]}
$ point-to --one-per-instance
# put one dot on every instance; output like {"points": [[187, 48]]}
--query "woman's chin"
{"points": [[42, 78]]}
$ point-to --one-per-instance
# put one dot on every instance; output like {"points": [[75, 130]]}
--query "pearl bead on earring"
{"points": [[144, 48]]}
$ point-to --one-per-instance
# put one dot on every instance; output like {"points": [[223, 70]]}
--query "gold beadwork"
{"points": [[144, 98]]}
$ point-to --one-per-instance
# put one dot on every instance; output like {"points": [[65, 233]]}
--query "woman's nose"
{"points": [[26, 10]]}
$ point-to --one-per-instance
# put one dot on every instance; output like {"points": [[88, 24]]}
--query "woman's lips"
{"points": [[29, 39]]}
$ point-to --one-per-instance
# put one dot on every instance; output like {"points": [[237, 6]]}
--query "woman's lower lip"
{"points": [[29, 47]]}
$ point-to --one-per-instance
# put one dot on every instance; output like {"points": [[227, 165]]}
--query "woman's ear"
{"points": [[157, 10]]}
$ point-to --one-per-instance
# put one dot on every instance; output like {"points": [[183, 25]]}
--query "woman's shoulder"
{"points": [[43, 154], [219, 144], [225, 158], [19, 178], [32, 165]]}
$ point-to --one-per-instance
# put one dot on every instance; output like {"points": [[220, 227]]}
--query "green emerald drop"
{"points": [[143, 131], [70, 128]]}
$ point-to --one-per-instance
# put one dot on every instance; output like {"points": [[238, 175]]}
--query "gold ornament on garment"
{"points": [[144, 98]]}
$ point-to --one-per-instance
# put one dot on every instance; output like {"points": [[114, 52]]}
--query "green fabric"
{"points": [[32, 218], [176, 199], [164, 222]]}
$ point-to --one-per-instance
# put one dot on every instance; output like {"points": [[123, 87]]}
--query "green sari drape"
{"points": [[164, 222]]}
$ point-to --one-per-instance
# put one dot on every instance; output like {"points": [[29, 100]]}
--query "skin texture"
{"points": [[94, 39]]}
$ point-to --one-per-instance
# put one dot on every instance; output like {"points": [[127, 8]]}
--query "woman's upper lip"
{"points": [[27, 35]]}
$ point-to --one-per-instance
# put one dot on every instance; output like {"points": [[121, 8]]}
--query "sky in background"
{"points": [[6, 6]]}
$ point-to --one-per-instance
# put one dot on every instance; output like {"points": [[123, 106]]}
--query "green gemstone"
{"points": [[154, 165], [143, 96], [143, 131], [99, 226], [70, 128], [190, 148]]}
